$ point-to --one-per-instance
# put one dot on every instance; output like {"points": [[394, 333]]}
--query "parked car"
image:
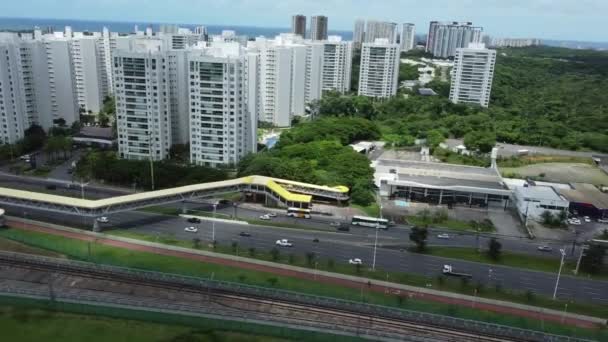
{"points": [[25, 157], [545, 248], [271, 215], [284, 243], [191, 229], [265, 217], [194, 220], [602, 220], [244, 234], [575, 221], [443, 236], [103, 219], [355, 261], [587, 219]]}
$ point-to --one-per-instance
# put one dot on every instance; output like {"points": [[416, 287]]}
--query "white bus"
{"points": [[372, 222], [298, 212]]}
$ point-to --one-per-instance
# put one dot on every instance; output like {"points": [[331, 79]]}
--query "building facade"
{"points": [[337, 65], [318, 27], [379, 70], [298, 25], [407, 37], [472, 75], [359, 33], [380, 30], [445, 37]]}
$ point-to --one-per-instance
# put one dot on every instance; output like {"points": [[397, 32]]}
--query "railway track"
{"points": [[270, 309]]}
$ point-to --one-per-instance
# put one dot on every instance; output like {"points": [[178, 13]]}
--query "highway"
{"points": [[341, 246]]}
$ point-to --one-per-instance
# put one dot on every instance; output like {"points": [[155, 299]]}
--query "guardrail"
{"points": [[423, 318]]}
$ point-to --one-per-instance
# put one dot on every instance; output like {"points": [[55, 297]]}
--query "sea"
{"points": [[26, 24]]}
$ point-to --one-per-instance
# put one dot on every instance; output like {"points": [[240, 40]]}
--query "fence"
{"points": [[292, 297]]}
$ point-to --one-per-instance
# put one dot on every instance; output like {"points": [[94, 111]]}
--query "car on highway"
{"points": [[284, 243], [244, 234], [194, 220], [51, 187], [103, 219], [355, 261], [315, 240], [602, 220], [544, 248], [191, 229], [271, 215], [443, 236], [449, 271], [265, 217], [587, 219]]}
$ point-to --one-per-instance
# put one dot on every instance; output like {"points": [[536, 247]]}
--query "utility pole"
{"points": [[375, 247], [151, 160], [559, 273], [580, 257], [213, 223]]}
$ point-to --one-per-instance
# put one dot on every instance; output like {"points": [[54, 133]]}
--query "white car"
{"points": [[265, 217], [602, 220], [271, 215], [284, 243], [355, 261], [443, 236], [587, 219], [576, 222], [25, 157], [103, 219], [191, 229]]}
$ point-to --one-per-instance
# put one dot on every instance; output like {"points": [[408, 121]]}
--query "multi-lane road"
{"points": [[391, 254]]}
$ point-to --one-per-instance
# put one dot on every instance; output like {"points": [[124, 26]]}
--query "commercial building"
{"points": [[298, 25], [337, 64], [512, 42], [379, 71], [359, 33], [445, 37], [407, 37], [586, 200], [439, 183], [318, 27], [472, 75], [532, 201], [222, 130], [380, 30]]}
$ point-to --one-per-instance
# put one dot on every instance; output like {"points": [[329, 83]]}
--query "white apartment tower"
{"points": [[89, 73], [380, 29], [13, 118], [445, 37], [62, 87], [318, 27], [407, 39], [472, 75], [222, 129], [337, 64], [379, 69], [142, 102], [359, 33]]}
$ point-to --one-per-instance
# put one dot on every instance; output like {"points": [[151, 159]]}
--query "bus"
{"points": [[298, 212], [372, 222]]}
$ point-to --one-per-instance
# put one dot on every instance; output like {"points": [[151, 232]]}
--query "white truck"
{"points": [[449, 271]]}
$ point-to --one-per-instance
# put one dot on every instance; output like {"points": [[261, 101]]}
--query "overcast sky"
{"points": [[549, 19]]}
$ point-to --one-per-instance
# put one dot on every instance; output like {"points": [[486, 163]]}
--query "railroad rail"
{"points": [[378, 321]]}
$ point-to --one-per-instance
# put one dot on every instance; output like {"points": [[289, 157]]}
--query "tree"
{"points": [[104, 119], [196, 243], [480, 141], [494, 249], [418, 236], [593, 259], [547, 218], [310, 258], [235, 247], [275, 254], [251, 252]]}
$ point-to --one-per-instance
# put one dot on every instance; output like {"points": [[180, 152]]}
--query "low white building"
{"points": [[532, 201]]}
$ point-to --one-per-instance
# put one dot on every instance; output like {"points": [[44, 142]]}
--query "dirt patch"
{"points": [[559, 172]]}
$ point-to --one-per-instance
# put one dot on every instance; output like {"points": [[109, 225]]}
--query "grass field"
{"points": [[558, 172], [115, 256], [13, 246]]}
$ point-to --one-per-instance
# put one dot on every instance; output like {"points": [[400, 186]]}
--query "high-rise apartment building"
{"points": [[407, 38], [13, 117], [318, 27], [472, 75], [445, 37], [379, 71], [222, 129], [298, 25], [337, 64], [380, 30], [142, 102], [89, 74], [62, 85], [359, 33]]}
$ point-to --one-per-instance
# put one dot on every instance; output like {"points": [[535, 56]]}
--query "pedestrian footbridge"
{"points": [[284, 192]]}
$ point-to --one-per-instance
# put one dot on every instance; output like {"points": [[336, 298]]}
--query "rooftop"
{"points": [[545, 193], [586, 193]]}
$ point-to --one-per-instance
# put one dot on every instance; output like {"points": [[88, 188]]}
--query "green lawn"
{"points": [[115, 256]]}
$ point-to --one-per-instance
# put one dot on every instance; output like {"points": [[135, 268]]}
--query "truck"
{"points": [[449, 271]]}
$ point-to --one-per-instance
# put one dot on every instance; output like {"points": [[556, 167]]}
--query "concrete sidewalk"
{"points": [[320, 276]]}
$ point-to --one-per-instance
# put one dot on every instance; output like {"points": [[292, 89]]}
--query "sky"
{"points": [[547, 19]]}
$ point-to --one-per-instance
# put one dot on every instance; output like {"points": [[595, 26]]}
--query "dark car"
{"points": [[244, 234], [194, 220], [344, 227], [51, 187]]}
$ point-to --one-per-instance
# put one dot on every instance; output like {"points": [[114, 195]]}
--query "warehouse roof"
{"points": [[586, 193]]}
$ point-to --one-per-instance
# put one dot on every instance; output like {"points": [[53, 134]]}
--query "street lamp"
{"points": [[213, 223], [375, 247], [151, 160], [559, 273]]}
